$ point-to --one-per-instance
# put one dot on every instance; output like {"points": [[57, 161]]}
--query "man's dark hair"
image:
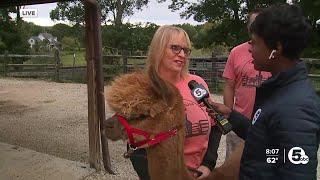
{"points": [[285, 24], [255, 11]]}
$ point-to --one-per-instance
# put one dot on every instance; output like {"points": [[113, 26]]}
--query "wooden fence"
{"points": [[11, 68], [209, 68]]}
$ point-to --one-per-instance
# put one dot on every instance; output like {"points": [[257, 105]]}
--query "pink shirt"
{"points": [[198, 124], [240, 68]]}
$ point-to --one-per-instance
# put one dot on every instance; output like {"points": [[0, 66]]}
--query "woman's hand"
{"points": [[218, 108], [204, 170]]}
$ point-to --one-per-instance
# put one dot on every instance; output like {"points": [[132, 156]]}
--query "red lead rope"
{"points": [[149, 141]]}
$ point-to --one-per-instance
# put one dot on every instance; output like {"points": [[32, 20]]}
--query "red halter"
{"points": [[149, 140]]}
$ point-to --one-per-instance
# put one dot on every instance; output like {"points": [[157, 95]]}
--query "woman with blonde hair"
{"points": [[168, 62]]}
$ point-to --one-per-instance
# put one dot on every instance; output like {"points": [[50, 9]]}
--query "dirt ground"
{"points": [[52, 118]]}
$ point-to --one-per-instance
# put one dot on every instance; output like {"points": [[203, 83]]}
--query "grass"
{"points": [[67, 58], [200, 53], [315, 71]]}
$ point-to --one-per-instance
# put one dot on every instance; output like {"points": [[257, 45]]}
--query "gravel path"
{"points": [[51, 118]]}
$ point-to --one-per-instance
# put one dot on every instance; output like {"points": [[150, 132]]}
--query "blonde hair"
{"points": [[156, 53], [159, 44]]}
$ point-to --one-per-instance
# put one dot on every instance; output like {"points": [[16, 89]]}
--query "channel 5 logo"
{"points": [[296, 155]]}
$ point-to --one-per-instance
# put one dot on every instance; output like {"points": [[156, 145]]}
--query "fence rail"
{"points": [[209, 68], [24, 56], [11, 68]]}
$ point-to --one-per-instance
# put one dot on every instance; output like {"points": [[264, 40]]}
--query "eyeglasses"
{"points": [[176, 49]]}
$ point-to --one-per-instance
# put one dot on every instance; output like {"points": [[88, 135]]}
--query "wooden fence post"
{"points": [[73, 65], [96, 101], [125, 61], [5, 60], [57, 64]]}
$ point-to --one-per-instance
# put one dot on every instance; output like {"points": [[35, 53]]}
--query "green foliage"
{"points": [[12, 38], [72, 11], [229, 19], [190, 29], [2, 47], [70, 43], [225, 26], [205, 52], [40, 60], [311, 10], [141, 36], [28, 29], [62, 30], [119, 9], [67, 58], [128, 36]]}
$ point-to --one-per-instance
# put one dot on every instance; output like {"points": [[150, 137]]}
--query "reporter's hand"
{"points": [[205, 171], [219, 108]]}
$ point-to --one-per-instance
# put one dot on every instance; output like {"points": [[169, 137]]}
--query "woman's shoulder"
{"points": [[196, 78]]}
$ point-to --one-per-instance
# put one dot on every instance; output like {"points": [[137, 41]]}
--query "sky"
{"points": [[155, 13]]}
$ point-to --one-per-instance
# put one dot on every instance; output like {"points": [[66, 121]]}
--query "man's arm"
{"points": [[230, 168], [228, 92], [240, 124], [210, 158]]}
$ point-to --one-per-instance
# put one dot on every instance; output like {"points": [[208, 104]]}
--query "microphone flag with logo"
{"points": [[200, 94]]}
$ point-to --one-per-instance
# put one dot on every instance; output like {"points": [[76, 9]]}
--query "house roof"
{"points": [[35, 38], [7, 3], [47, 35]]}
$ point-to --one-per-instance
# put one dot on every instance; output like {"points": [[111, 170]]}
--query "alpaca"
{"points": [[137, 97]]}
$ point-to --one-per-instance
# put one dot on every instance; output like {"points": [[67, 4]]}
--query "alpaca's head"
{"points": [[133, 97], [114, 130]]}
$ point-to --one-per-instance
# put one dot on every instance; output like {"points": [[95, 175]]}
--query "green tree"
{"points": [[140, 37], [190, 29], [128, 37], [11, 36], [72, 11], [62, 30], [118, 9], [203, 38], [311, 10], [4, 13], [70, 43], [229, 16], [28, 29], [2, 47]]}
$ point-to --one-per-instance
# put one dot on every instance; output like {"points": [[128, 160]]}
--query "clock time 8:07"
{"points": [[272, 151]]}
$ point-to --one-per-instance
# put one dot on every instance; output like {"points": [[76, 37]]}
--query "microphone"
{"points": [[199, 92]]}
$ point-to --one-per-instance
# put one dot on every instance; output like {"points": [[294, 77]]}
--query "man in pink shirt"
{"points": [[241, 82]]}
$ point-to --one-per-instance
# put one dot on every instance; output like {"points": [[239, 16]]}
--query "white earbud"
{"points": [[272, 54]]}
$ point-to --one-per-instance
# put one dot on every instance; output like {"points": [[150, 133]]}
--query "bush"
{"points": [[2, 47], [70, 43]]}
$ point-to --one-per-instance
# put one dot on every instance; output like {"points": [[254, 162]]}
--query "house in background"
{"points": [[49, 41], [33, 40]]}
